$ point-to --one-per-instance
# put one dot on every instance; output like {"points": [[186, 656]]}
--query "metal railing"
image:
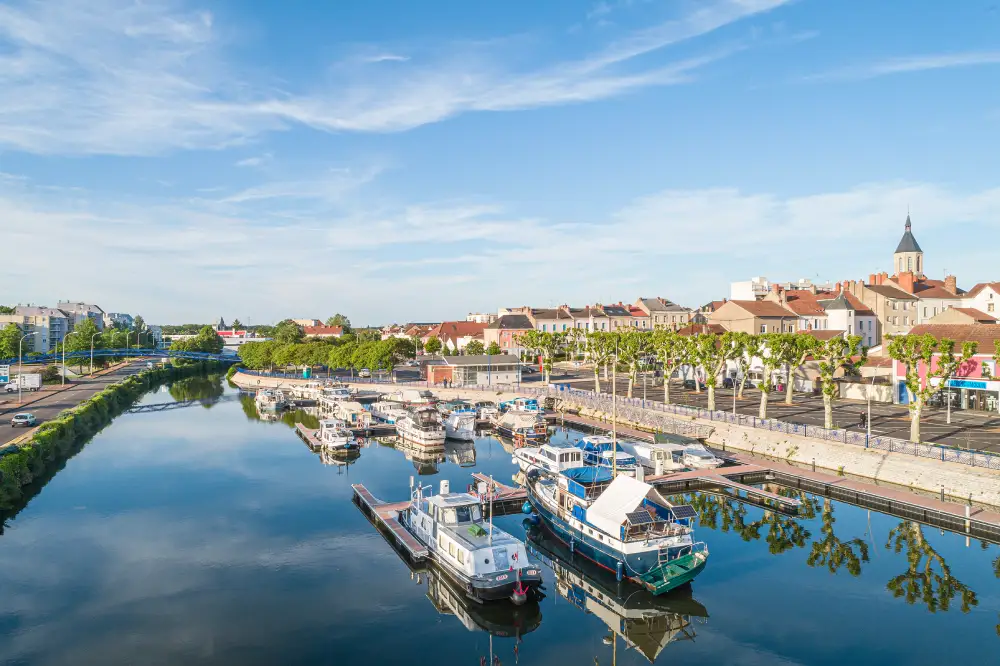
{"points": [[627, 408]]}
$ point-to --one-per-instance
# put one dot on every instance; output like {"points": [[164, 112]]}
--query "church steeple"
{"points": [[908, 256]]}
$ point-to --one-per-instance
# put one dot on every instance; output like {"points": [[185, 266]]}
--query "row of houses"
{"points": [[49, 326]]}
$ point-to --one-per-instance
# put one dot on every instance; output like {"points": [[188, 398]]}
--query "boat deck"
{"points": [[508, 499], [384, 515]]}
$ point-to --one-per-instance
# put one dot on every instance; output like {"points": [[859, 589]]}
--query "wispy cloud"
{"points": [[325, 234], [908, 64], [127, 78], [255, 161]]}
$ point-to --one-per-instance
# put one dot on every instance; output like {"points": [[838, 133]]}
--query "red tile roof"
{"points": [[855, 302], [323, 331], [824, 334], [985, 334], [695, 329], [763, 308], [637, 312], [995, 286], [978, 315], [803, 302], [453, 330]]}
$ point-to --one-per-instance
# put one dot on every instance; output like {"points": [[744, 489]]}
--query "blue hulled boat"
{"points": [[598, 450], [620, 524]]}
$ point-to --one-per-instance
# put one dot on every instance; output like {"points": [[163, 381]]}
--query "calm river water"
{"points": [[204, 535]]}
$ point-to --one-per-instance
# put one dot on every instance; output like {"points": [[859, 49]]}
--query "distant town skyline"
{"points": [[186, 160]]}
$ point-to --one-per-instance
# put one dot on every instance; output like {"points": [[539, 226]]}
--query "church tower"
{"points": [[908, 256]]}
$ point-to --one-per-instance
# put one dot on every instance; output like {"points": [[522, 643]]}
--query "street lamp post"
{"points": [[92, 352], [868, 420], [20, 366]]}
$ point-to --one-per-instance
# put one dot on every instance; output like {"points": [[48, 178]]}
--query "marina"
{"points": [[830, 552]]}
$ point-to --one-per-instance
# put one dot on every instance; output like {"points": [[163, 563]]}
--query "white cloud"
{"points": [[120, 77], [908, 64], [255, 161], [274, 250]]}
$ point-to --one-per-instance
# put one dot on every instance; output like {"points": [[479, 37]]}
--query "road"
{"points": [[967, 430], [45, 404]]}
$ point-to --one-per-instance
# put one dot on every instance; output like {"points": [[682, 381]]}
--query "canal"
{"points": [[203, 535]]}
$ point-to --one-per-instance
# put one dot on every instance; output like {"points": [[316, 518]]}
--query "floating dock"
{"points": [[385, 516], [507, 500], [726, 477], [308, 435]]}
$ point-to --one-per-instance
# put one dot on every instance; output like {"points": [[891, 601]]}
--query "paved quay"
{"points": [[54, 398]]}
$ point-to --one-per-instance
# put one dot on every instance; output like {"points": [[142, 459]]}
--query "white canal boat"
{"points": [[270, 400], [334, 435], [551, 458], [422, 425], [486, 562]]}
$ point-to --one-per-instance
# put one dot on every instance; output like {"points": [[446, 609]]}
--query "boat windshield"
{"points": [[469, 513], [699, 453]]}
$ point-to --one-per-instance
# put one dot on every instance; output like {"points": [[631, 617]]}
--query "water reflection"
{"points": [[206, 388], [425, 459], [643, 621], [834, 553], [928, 577]]}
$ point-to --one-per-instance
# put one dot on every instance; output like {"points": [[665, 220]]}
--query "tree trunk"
{"points": [[597, 379], [711, 398], [605, 372], [666, 387], [915, 408], [631, 383], [697, 383], [743, 383], [827, 411], [789, 381], [763, 405]]}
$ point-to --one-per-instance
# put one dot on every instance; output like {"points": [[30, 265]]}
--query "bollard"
{"points": [[814, 464], [942, 493], [968, 511]]}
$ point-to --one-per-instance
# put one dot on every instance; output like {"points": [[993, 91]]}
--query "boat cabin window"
{"points": [[463, 514], [699, 453]]}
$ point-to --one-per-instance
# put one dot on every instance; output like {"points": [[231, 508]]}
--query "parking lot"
{"points": [[967, 430]]}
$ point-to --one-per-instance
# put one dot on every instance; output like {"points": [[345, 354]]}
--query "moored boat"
{"points": [[657, 457], [422, 425], [522, 427], [483, 560], [602, 451], [620, 524], [334, 435], [388, 411], [461, 426], [269, 400], [551, 458], [520, 405], [486, 410]]}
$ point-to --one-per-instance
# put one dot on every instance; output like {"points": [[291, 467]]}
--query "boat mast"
{"points": [[489, 489], [614, 415]]}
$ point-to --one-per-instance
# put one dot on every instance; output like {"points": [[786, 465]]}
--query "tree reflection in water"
{"points": [[936, 588], [207, 388], [730, 515], [833, 553]]}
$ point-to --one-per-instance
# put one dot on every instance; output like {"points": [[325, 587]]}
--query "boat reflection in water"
{"points": [[425, 458], [460, 452], [645, 622]]}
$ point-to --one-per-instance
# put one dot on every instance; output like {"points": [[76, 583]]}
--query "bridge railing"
{"points": [[121, 353]]}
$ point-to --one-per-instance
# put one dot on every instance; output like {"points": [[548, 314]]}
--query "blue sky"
{"points": [[416, 161]]}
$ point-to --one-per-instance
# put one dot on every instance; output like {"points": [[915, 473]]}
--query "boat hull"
{"points": [[655, 577]]}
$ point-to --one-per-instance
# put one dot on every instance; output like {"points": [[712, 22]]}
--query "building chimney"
{"points": [[871, 278], [812, 289], [951, 283], [905, 281]]}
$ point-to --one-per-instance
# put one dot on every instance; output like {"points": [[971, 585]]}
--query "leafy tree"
{"points": [[927, 577], [433, 345], [834, 354], [774, 348], [600, 349], [9, 338], [544, 344], [633, 346], [287, 331], [138, 324], [339, 320], [798, 349], [80, 340], [750, 348], [711, 352], [834, 553], [237, 325], [474, 348], [257, 355], [494, 349], [936, 359], [669, 349], [6, 309], [341, 355]]}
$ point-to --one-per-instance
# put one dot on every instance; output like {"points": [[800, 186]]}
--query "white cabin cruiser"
{"points": [[333, 434], [551, 458], [460, 425], [422, 425], [656, 457], [269, 400], [486, 410], [696, 456], [388, 411], [488, 563]]}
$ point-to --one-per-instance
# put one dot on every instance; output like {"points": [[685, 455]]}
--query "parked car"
{"points": [[23, 419], [690, 385], [528, 369], [727, 382], [364, 372]]}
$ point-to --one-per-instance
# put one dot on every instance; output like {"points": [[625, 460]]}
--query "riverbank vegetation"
{"points": [[26, 467], [336, 353]]}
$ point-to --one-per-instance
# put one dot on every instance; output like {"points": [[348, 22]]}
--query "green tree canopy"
{"points": [[493, 349], [433, 345], [339, 320], [237, 325], [288, 331], [936, 359], [6, 309], [138, 324], [475, 348], [9, 338], [834, 354], [600, 350]]}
